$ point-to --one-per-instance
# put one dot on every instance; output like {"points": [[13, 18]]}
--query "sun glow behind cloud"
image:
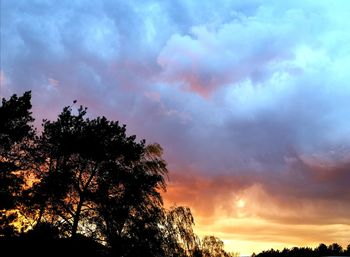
{"points": [[260, 221], [250, 100]]}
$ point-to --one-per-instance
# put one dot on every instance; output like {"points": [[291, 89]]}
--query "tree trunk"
{"points": [[77, 217]]}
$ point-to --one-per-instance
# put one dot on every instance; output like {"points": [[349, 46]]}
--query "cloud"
{"points": [[277, 218], [242, 46]]}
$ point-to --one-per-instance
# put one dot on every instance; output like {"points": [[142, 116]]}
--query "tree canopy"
{"points": [[15, 131], [322, 250]]}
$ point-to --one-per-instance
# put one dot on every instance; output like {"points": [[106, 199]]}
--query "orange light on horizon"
{"points": [[251, 220]]}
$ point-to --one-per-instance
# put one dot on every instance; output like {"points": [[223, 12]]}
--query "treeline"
{"points": [[83, 187], [322, 250]]}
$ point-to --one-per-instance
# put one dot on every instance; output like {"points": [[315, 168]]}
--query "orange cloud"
{"points": [[249, 218]]}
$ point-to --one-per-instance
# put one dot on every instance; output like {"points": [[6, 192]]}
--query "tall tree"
{"points": [[15, 133], [129, 200], [94, 178], [179, 234]]}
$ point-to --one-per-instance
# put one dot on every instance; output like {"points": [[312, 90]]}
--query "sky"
{"points": [[249, 99]]}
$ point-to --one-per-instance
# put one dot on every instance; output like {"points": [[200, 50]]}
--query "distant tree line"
{"points": [[83, 187], [322, 250]]}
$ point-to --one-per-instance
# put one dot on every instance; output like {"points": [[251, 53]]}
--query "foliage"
{"points": [[213, 247], [15, 133], [322, 250]]}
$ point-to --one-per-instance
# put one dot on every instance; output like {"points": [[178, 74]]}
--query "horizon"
{"points": [[249, 99]]}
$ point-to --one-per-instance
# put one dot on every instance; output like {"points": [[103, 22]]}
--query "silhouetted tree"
{"points": [[79, 156], [15, 131], [347, 251], [335, 249], [129, 200], [322, 250], [93, 179]]}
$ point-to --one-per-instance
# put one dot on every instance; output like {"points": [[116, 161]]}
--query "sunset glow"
{"points": [[249, 99]]}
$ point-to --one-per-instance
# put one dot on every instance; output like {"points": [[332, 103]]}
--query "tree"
{"points": [[322, 250], [15, 131], [129, 201], [96, 180], [347, 251], [179, 234], [335, 249], [213, 247]]}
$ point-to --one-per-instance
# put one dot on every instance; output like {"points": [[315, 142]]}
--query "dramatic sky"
{"points": [[249, 99]]}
